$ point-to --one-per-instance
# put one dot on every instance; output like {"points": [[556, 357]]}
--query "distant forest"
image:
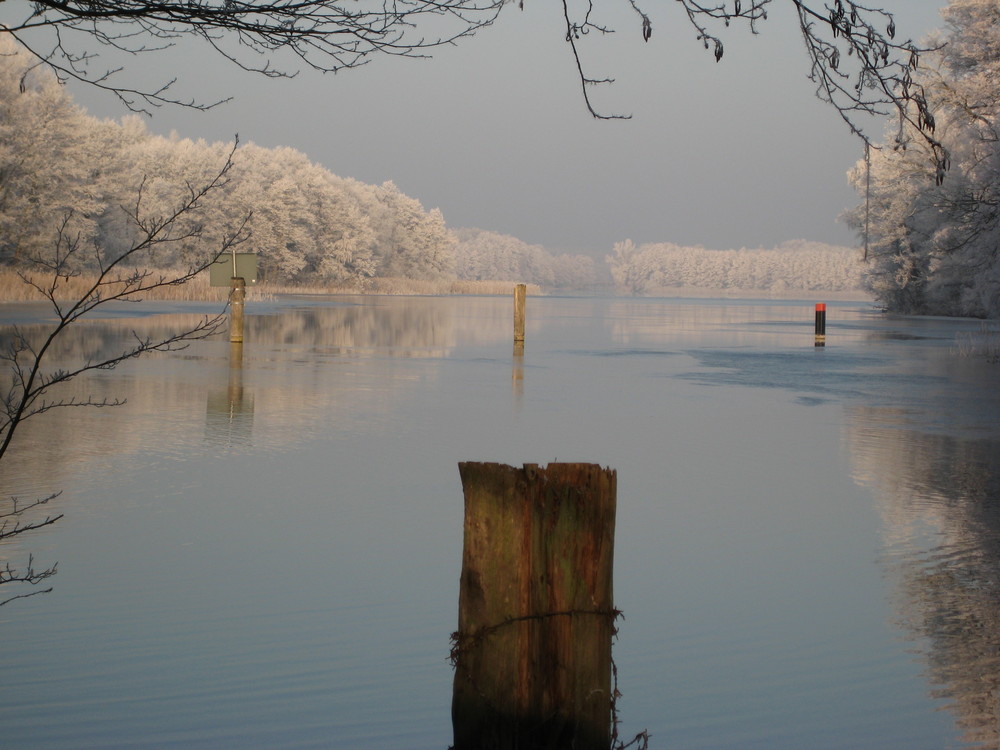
{"points": [[795, 266], [66, 176]]}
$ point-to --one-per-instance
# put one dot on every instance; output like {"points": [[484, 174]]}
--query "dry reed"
{"points": [[397, 286], [14, 289], [984, 343]]}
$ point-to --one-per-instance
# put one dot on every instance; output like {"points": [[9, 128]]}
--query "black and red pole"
{"points": [[820, 324]]}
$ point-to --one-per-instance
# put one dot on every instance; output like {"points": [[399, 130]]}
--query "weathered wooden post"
{"points": [[536, 618], [237, 297], [520, 293]]}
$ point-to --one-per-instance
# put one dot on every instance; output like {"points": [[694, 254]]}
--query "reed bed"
{"points": [[984, 343], [14, 289], [400, 287]]}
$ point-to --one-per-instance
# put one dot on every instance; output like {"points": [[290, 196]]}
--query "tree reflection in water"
{"points": [[254, 396], [939, 496]]}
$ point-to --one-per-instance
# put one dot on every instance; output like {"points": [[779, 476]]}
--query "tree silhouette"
{"points": [[856, 62]]}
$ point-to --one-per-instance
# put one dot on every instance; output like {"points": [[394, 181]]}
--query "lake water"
{"points": [[262, 549]]}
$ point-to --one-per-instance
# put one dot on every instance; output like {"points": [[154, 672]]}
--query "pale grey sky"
{"points": [[495, 133]]}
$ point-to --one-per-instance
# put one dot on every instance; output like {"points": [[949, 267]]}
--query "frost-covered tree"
{"points": [[481, 255], [265, 186], [342, 227], [61, 169], [410, 242], [573, 272], [488, 256], [932, 243], [51, 171], [160, 171], [630, 268], [310, 226]]}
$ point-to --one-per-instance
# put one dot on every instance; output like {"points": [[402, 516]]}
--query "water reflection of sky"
{"points": [[263, 549]]}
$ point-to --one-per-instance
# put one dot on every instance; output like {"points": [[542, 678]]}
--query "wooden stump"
{"points": [[536, 616]]}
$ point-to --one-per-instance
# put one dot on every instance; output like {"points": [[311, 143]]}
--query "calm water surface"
{"points": [[261, 549]]}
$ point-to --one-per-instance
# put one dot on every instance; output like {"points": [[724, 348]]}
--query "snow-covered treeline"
{"points": [[656, 268], [934, 234], [484, 255], [65, 174], [68, 177]]}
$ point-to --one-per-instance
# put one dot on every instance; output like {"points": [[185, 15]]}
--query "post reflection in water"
{"points": [[939, 496], [229, 410], [517, 372]]}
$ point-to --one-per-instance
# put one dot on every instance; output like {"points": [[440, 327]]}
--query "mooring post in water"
{"points": [[237, 296], [520, 293], [820, 324], [532, 653]]}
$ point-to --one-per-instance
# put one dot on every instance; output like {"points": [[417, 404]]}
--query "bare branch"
{"points": [[11, 524], [857, 64], [10, 519], [323, 35], [576, 29], [861, 70], [855, 60]]}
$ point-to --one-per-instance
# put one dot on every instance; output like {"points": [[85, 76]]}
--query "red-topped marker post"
{"points": [[820, 324]]}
